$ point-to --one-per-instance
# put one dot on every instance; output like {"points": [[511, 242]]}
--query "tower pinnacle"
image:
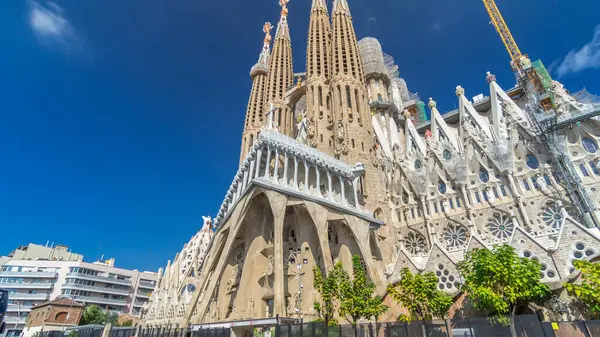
{"points": [[256, 102], [281, 74]]}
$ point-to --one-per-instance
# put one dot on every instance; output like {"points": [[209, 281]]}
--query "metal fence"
{"points": [[175, 332], [121, 332], [523, 326]]}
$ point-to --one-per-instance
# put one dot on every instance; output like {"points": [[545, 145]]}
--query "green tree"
{"points": [[93, 314], [112, 318], [588, 292], [327, 286], [499, 280], [419, 294]]}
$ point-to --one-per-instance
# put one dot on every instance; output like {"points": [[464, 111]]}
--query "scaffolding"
{"points": [[372, 56]]}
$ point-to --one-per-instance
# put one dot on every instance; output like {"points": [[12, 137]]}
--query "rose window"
{"points": [[455, 236], [415, 243], [501, 226], [553, 217]]}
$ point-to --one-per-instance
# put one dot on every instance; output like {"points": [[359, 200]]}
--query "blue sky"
{"points": [[121, 120]]}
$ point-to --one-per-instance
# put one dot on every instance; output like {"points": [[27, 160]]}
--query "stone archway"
{"points": [[247, 266]]}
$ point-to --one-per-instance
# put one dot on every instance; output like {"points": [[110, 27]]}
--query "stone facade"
{"points": [[364, 171]]}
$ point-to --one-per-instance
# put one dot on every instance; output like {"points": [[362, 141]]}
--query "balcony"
{"points": [[147, 285], [25, 297], [139, 304], [102, 290], [97, 300], [99, 279], [28, 285], [143, 294], [12, 320], [18, 308], [28, 274]]}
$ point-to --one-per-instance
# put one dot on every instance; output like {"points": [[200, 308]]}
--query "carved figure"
{"points": [[491, 197], [340, 132], [233, 280], [542, 183], [302, 128], [292, 300], [250, 310]]}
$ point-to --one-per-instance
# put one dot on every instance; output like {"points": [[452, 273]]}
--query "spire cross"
{"points": [[284, 10], [267, 30]]}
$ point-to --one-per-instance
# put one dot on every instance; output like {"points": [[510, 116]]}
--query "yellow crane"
{"points": [[539, 78], [516, 56]]}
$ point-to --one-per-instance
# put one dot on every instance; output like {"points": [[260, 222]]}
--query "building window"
{"points": [[320, 96], [589, 145], [352, 141], [477, 197], [526, 185], [379, 98], [348, 97], [503, 190], [435, 207], [442, 187], [547, 179], [495, 190], [584, 170], [447, 154], [532, 161], [451, 203], [535, 183], [457, 202], [484, 176], [594, 168]]}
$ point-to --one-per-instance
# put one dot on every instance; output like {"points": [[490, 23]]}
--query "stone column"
{"points": [[518, 197], [295, 172], [258, 158], [268, 164], [276, 169], [305, 177], [285, 171], [330, 195], [343, 193], [278, 205]]}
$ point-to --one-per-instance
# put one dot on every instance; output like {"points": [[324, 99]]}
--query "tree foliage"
{"points": [[499, 280], [93, 314], [112, 318], [419, 294], [351, 297], [588, 292], [356, 294]]}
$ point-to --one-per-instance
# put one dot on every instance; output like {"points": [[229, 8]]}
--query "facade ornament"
{"points": [[460, 91], [432, 104], [302, 127], [490, 196], [406, 114], [542, 183], [340, 132], [284, 10], [428, 134], [490, 78]]}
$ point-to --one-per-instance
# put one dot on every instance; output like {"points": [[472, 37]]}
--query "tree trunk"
{"points": [[513, 328]]}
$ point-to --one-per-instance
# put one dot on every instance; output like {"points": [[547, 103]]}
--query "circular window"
{"points": [[418, 164], [578, 255], [527, 253], [580, 246], [442, 187], [532, 161], [484, 176], [551, 274], [447, 154], [589, 252], [589, 145]]}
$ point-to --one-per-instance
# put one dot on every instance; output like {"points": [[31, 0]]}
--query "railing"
{"points": [[147, 285], [99, 278], [91, 299], [143, 294], [28, 285], [22, 296], [18, 308], [103, 290], [34, 274], [14, 320]]}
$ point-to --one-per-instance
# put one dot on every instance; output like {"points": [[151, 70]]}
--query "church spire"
{"points": [[318, 73], [281, 74], [256, 102]]}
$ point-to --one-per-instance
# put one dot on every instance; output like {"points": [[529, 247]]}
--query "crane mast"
{"points": [[500, 25]]}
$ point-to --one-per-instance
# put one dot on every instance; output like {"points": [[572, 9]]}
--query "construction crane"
{"points": [[536, 83]]}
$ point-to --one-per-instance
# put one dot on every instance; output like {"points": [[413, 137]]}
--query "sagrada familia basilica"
{"points": [[343, 160]]}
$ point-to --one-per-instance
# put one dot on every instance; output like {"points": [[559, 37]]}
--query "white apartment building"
{"points": [[32, 282]]}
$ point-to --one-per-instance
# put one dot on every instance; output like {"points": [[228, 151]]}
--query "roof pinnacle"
{"points": [[284, 31], [264, 55]]}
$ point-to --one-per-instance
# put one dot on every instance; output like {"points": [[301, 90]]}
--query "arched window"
{"points": [[442, 187], [589, 145], [532, 161], [447, 154], [418, 164], [484, 176], [379, 98]]}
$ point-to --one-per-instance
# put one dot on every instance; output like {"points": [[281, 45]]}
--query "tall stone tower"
{"points": [[281, 74], [318, 74], [256, 103], [352, 130]]}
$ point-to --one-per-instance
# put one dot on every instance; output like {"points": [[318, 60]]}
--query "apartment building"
{"points": [[32, 282]]}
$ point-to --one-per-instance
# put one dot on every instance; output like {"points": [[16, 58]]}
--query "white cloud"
{"points": [[372, 19], [588, 57], [50, 25]]}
